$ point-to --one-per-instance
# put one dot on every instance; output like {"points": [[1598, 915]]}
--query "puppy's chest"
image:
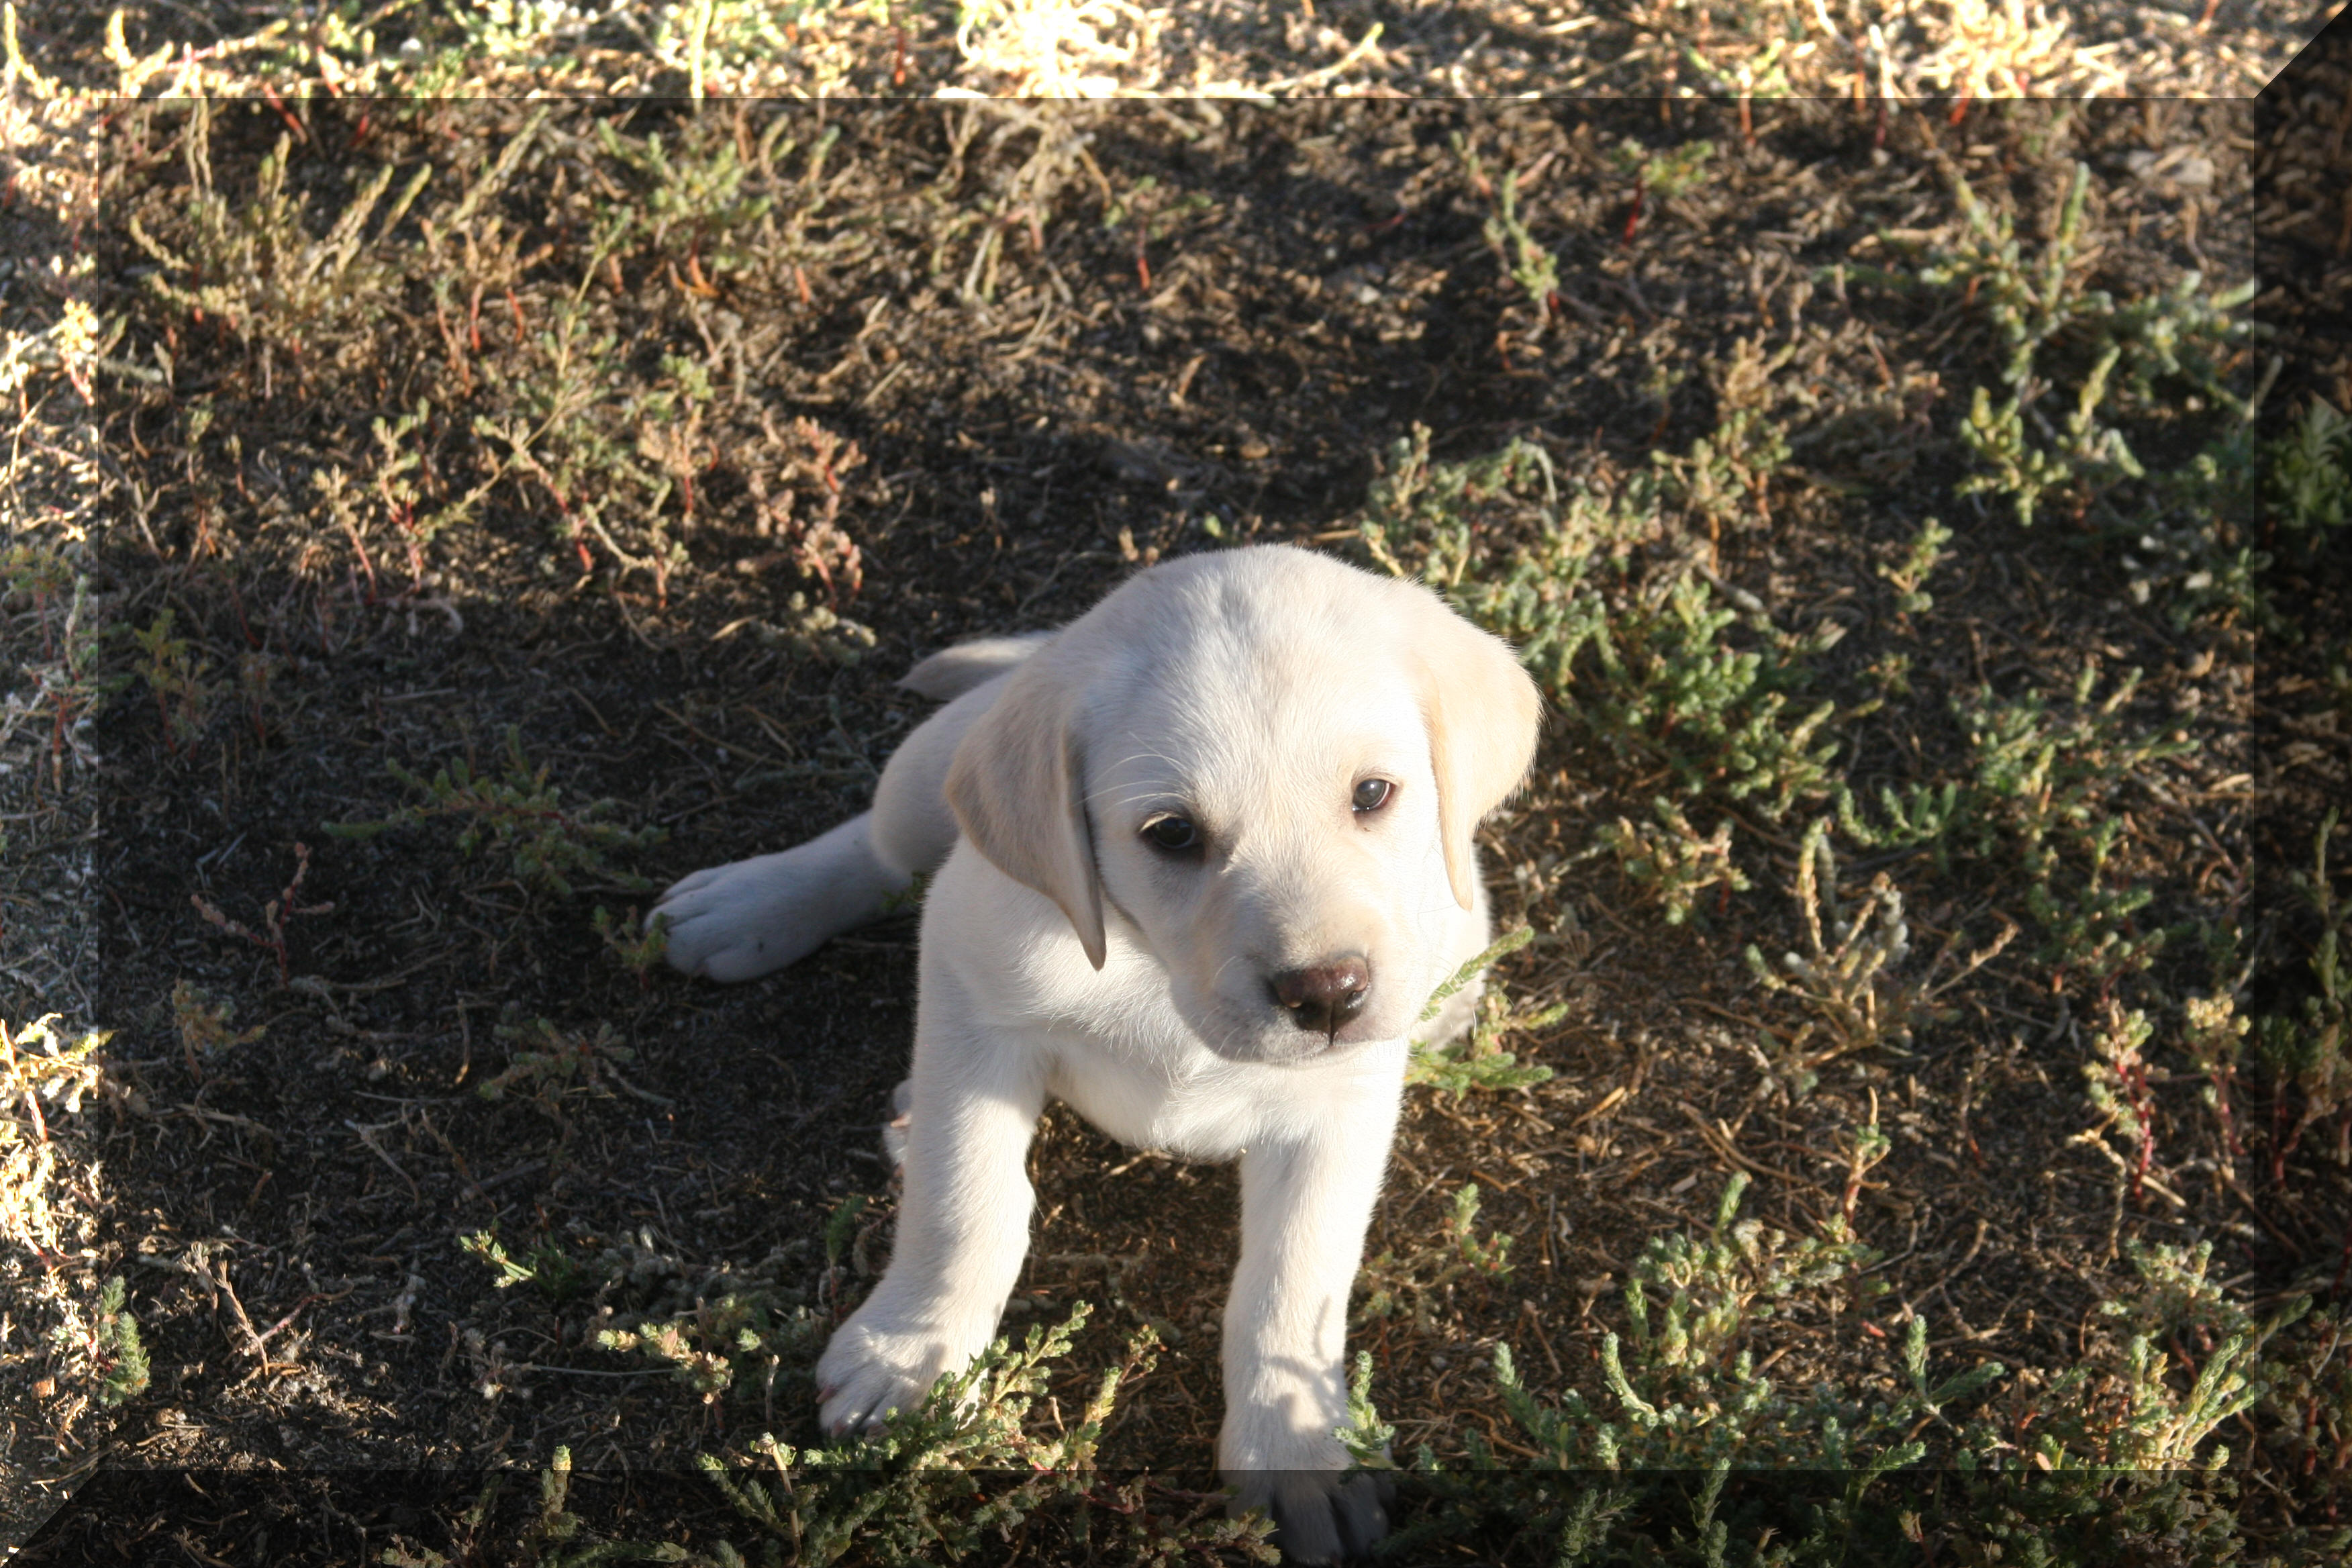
{"points": [[1196, 1105]]}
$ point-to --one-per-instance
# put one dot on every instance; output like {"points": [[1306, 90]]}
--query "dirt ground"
{"points": [[934, 370]]}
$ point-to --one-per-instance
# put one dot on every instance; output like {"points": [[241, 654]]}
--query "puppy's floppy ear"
{"points": [[1017, 787], [1481, 709]]}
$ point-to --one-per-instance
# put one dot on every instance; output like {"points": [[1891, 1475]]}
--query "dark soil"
{"points": [[1210, 323]]}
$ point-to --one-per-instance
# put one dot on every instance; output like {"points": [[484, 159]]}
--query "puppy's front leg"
{"points": [[1305, 1204], [963, 1227]]}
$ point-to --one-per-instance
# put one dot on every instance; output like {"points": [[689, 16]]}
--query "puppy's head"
{"points": [[1265, 768]]}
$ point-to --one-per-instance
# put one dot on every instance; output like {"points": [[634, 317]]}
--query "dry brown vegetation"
{"points": [[435, 522]]}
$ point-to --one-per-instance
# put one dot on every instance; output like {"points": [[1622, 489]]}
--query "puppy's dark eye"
{"points": [[1174, 834], [1373, 793]]}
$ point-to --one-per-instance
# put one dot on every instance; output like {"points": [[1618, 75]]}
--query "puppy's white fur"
{"points": [[1065, 955]]}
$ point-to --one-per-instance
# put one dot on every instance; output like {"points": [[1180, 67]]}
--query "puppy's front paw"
{"points": [[872, 1368], [1319, 1516]]}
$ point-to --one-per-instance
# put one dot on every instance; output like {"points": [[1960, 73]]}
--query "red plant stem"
{"points": [[406, 518], [269, 94], [361, 550], [236, 603], [1633, 218]]}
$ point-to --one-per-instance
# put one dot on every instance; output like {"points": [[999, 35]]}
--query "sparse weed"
{"points": [[845, 1249], [176, 677], [591, 450], [1660, 176], [1921, 816], [486, 1247], [37, 1064], [1995, 47], [815, 632], [2116, 1449], [909, 897], [2311, 470], [1530, 264], [1910, 574], [551, 1064], [1421, 1279], [2044, 778], [2215, 1034], [48, 1187], [2310, 1057], [42, 573], [1763, 74], [717, 1328], [814, 458], [1672, 690], [1491, 1258], [1668, 857], [207, 1025], [2160, 361], [1849, 978], [1477, 1063], [638, 947], [1427, 519], [2118, 1086], [2308, 1396], [939, 1482], [1723, 476], [39, 1067], [1649, 670], [2119, 1407], [699, 193], [66, 681], [119, 1356], [1055, 48], [2184, 334], [1478, 1060], [1686, 1389], [397, 486], [279, 914], [256, 267], [521, 813]]}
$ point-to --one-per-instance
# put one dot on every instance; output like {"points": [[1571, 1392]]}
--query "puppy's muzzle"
{"points": [[1325, 997]]}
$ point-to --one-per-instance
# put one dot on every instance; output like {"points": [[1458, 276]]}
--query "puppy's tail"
{"points": [[952, 672]]}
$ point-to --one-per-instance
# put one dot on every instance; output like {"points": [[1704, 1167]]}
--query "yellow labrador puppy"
{"points": [[1199, 860]]}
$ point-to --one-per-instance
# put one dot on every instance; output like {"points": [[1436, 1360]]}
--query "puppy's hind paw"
{"points": [[744, 920]]}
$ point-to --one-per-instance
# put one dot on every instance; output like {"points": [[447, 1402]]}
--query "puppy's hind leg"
{"points": [[740, 920]]}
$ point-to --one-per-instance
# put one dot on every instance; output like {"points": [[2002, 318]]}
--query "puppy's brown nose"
{"points": [[1326, 995]]}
